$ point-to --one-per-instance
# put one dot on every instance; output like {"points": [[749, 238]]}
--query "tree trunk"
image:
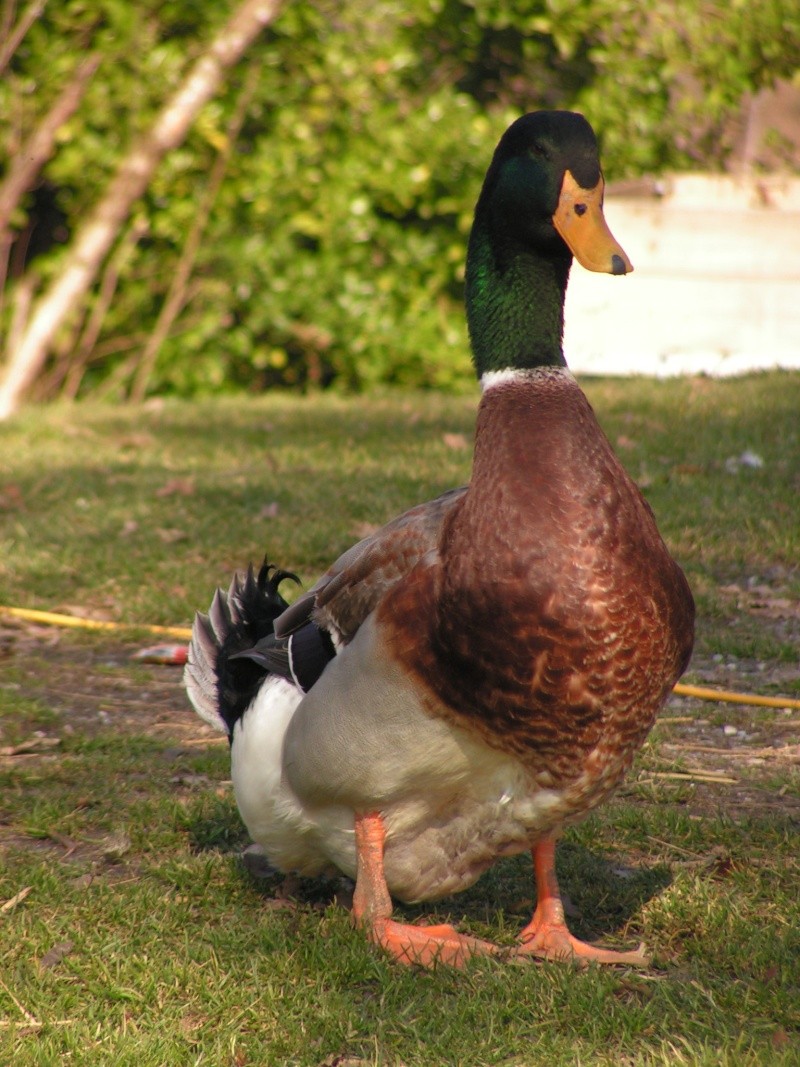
{"points": [[97, 235]]}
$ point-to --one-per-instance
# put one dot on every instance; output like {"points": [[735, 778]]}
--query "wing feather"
{"points": [[353, 587]]}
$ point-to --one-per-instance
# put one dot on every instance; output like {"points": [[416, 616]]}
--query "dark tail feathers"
{"points": [[220, 683]]}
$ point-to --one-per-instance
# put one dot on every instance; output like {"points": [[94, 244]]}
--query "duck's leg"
{"points": [[547, 935], [372, 910]]}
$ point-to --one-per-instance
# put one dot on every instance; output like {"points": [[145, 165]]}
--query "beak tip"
{"points": [[620, 265]]}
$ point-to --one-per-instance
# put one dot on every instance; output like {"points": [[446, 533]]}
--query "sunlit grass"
{"points": [[142, 938]]}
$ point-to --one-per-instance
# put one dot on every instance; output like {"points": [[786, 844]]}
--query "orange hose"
{"points": [[726, 695], [50, 618]]}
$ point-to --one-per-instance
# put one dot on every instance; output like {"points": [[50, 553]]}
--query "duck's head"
{"points": [[541, 204]]}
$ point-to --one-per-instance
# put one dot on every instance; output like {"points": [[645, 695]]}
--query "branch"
{"points": [[175, 299], [32, 156], [14, 39], [74, 368], [97, 235]]}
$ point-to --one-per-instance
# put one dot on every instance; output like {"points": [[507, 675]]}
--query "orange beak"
{"points": [[580, 221]]}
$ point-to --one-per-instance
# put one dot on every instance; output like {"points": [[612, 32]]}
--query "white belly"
{"points": [[361, 741]]}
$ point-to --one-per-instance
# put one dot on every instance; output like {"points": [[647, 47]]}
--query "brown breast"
{"points": [[556, 622]]}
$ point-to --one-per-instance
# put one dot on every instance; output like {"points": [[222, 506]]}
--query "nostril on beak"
{"points": [[618, 265], [580, 209]]}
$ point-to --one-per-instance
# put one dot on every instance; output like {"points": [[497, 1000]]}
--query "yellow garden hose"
{"points": [[51, 618], [703, 693]]}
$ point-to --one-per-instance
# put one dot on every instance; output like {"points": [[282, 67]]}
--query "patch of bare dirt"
{"points": [[97, 685], [732, 755]]}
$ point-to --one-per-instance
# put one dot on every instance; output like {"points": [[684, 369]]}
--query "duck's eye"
{"points": [[538, 151]]}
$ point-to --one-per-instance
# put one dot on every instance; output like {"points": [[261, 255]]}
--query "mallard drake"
{"points": [[479, 673]]}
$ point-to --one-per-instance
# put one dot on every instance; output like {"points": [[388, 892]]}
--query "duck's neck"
{"points": [[515, 302]]}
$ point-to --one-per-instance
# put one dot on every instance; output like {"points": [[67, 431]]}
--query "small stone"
{"points": [[115, 846], [729, 731], [751, 459]]}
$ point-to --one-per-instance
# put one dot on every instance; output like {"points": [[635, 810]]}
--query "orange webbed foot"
{"points": [[427, 945], [372, 909], [547, 935], [553, 941]]}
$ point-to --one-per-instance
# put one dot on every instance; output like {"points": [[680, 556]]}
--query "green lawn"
{"points": [[132, 930]]}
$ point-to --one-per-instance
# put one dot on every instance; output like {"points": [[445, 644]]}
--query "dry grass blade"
{"points": [[32, 746], [694, 776], [129, 834], [9, 905], [30, 1019]]}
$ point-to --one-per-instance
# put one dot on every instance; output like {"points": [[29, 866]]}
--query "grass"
{"points": [[143, 939]]}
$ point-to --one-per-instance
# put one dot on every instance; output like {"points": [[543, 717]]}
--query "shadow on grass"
{"points": [[600, 898], [216, 826]]}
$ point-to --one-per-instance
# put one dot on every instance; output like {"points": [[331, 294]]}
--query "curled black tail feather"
{"points": [[219, 686]]}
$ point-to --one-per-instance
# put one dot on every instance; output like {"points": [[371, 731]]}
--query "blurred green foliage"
{"points": [[334, 251]]}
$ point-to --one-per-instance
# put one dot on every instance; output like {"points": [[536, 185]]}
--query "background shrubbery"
{"points": [[334, 247]]}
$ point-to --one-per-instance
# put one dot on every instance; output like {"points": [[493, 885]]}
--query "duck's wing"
{"points": [[352, 588]]}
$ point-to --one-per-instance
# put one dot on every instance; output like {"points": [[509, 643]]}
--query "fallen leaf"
{"points": [[190, 1024], [170, 536], [83, 881], [456, 441], [269, 511], [130, 526], [16, 899], [136, 440], [780, 1039], [11, 498], [721, 867], [55, 955], [177, 486]]}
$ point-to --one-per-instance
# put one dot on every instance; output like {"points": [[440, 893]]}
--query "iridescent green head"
{"points": [[541, 203]]}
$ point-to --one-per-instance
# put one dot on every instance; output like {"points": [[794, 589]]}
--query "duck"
{"points": [[478, 674]]}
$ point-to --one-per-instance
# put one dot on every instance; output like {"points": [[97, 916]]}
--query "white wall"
{"points": [[715, 287]]}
